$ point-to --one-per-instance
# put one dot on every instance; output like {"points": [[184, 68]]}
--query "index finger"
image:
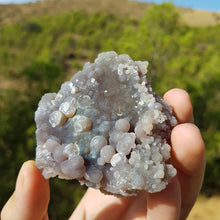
{"points": [[179, 99]]}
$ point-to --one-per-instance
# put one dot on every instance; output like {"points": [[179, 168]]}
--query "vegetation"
{"points": [[40, 53]]}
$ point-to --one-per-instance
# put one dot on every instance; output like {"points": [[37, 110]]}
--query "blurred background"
{"points": [[43, 43]]}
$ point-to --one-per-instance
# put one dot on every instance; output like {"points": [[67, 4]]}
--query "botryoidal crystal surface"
{"points": [[107, 128]]}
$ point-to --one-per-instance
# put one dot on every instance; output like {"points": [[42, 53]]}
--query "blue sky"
{"points": [[15, 1], [210, 5]]}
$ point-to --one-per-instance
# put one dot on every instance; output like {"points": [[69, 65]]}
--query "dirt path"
{"points": [[206, 208]]}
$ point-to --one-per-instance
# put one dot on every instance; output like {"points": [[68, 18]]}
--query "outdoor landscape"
{"points": [[43, 44]]}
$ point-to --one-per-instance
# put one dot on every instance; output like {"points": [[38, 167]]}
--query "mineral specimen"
{"points": [[107, 128]]}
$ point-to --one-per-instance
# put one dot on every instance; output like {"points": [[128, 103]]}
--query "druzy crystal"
{"points": [[107, 128]]}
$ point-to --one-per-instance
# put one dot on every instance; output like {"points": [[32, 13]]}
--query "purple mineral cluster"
{"points": [[107, 128]]}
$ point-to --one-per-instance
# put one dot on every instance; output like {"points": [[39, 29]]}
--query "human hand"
{"points": [[31, 196], [176, 201]]}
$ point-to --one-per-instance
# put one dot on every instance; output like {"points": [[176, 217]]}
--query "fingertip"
{"points": [[188, 148], [31, 196], [179, 99], [31, 179], [37, 189], [31, 172]]}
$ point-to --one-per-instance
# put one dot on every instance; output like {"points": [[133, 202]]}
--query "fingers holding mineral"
{"points": [[107, 128]]}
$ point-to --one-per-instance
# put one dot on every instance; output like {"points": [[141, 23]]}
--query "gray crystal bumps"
{"points": [[107, 128]]}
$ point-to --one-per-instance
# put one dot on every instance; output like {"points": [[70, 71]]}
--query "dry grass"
{"points": [[13, 13], [12, 83], [199, 17], [206, 208]]}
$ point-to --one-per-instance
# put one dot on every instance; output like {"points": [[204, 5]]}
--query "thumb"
{"points": [[31, 196]]}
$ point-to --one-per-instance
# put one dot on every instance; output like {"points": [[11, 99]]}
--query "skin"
{"points": [[31, 196]]}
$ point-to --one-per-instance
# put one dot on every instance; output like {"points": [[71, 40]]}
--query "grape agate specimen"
{"points": [[107, 128]]}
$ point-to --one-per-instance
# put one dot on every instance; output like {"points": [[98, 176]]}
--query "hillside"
{"points": [[52, 42], [13, 13]]}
